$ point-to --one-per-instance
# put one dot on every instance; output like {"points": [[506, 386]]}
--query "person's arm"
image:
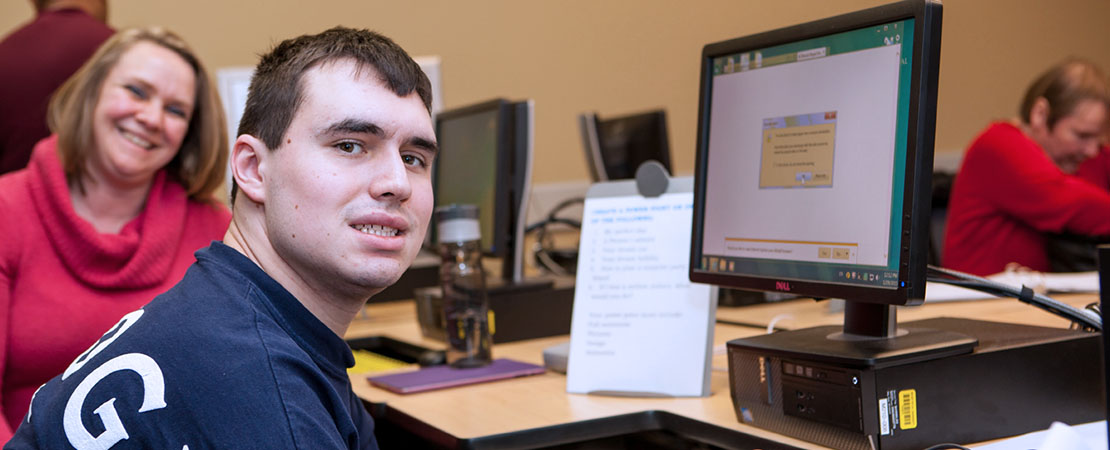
{"points": [[1097, 170], [1027, 186]]}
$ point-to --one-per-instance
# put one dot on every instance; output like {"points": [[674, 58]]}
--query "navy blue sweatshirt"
{"points": [[227, 358]]}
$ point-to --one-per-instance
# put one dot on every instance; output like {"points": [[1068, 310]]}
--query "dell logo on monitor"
{"points": [[782, 286]]}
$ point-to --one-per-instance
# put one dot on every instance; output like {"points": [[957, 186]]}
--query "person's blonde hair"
{"points": [[202, 159]]}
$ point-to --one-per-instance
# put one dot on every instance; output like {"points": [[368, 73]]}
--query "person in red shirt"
{"points": [[1097, 170], [111, 208], [34, 60], [1017, 184]]}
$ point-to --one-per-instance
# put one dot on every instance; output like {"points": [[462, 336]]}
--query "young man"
{"points": [[334, 195], [1017, 184]]}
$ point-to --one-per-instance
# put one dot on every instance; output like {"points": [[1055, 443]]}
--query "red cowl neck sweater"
{"points": [[63, 284]]}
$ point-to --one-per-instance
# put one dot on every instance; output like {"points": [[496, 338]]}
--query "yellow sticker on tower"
{"points": [[907, 409]]}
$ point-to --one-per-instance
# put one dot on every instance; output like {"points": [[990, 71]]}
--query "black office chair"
{"points": [[942, 190], [1069, 252]]}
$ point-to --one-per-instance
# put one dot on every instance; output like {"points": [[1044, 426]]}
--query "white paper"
{"points": [[1071, 282], [639, 326], [1038, 281], [1060, 436], [940, 292]]}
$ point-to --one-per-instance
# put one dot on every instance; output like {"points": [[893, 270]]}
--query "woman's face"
{"points": [[142, 115]]}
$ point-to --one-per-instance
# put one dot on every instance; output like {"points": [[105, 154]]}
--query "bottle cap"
{"points": [[457, 223]]}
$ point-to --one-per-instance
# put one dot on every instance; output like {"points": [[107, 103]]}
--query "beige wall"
{"points": [[616, 56]]}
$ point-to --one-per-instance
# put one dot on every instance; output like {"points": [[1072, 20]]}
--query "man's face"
{"points": [[1075, 137], [349, 194]]}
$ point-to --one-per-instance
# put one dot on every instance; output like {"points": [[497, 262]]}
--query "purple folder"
{"points": [[439, 377]]}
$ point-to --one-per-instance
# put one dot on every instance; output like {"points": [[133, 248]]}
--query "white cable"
{"points": [[776, 319]]}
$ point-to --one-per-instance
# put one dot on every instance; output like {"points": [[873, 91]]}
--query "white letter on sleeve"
{"points": [[154, 393], [124, 323]]}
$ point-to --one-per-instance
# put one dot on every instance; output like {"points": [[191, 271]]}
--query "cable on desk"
{"points": [[771, 328], [552, 216], [559, 262], [1094, 307], [747, 324], [1085, 318], [948, 447]]}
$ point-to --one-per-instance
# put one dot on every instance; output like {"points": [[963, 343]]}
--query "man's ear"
{"points": [[248, 167], [1038, 114]]}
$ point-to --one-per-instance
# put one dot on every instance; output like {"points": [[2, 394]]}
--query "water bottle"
{"points": [[465, 302]]}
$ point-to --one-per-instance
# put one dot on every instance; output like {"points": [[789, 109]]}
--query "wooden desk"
{"points": [[534, 411]]}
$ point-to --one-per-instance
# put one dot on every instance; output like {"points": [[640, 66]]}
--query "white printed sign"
{"points": [[639, 326]]}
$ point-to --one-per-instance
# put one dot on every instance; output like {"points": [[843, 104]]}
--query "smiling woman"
{"points": [[111, 207]]}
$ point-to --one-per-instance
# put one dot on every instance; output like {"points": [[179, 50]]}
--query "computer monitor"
{"points": [[616, 147], [814, 158], [485, 159]]}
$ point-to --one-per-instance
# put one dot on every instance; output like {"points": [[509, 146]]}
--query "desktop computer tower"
{"points": [[1018, 379]]}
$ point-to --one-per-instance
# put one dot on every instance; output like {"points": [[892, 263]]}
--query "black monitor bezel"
{"points": [[501, 242], [919, 156]]}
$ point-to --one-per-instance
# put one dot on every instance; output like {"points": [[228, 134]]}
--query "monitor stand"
{"points": [[530, 308], [501, 286], [424, 272]]}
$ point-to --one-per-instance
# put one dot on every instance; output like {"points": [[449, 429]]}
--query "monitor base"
{"points": [[532, 309]]}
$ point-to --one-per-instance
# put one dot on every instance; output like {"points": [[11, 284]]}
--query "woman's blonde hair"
{"points": [[200, 163]]}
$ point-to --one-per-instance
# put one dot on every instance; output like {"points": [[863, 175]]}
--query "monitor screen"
{"points": [[485, 160], [467, 167], [814, 154]]}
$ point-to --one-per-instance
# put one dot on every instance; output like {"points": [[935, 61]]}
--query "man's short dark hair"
{"points": [[277, 90]]}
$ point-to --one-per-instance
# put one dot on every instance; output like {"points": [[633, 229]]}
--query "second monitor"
{"points": [[486, 159], [615, 147]]}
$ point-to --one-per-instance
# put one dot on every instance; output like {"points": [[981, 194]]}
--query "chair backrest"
{"points": [[942, 189]]}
